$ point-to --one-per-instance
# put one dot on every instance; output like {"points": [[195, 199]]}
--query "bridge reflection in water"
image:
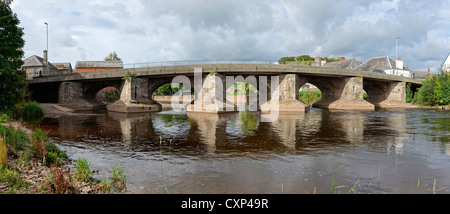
{"points": [[237, 153], [237, 131]]}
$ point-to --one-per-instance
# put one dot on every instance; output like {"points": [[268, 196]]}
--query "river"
{"points": [[387, 151]]}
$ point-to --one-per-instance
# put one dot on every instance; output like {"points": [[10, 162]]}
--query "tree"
{"points": [[286, 59], [112, 57], [167, 89], [12, 79], [304, 58]]}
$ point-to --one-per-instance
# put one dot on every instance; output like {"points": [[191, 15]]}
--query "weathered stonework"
{"points": [[134, 98], [342, 93], [387, 94], [288, 91], [71, 96], [211, 97]]}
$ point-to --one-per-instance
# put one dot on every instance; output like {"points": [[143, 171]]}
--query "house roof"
{"points": [[63, 65], [99, 64], [36, 61], [420, 74], [377, 63], [345, 64], [447, 59]]}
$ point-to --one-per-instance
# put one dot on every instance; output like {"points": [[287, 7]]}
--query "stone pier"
{"points": [[288, 91], [341, 93], [211, 97], [135, 97]]}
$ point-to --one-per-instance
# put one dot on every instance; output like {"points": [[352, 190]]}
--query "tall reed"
{"points": [[3, 151]]}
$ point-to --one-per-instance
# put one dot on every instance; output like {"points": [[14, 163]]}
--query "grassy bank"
{"points": [[31, 163]]}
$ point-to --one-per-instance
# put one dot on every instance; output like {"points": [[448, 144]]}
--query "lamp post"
{"points": [[48, 72], [396, 54]]}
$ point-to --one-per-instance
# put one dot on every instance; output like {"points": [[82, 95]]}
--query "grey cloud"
{"points": [[197, 29]]}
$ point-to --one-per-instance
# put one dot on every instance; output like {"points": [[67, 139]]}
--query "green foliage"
{"points": [[435, 90], [29, 111], [112, 96], [286, 59], [12, 178], [113, 57], [442, 89], [46, 149], [365, 96], [304, 58], [167, 89], [12, 80], [116, 182], [82, 170], [409, 93], [129, 75], [4, 118], [3, 152], [310, 97], [19, 140]]}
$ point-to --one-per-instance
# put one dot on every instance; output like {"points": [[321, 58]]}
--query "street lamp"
{"points": [[48, 72], [396, 54]]}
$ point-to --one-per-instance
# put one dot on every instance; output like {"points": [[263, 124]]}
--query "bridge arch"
{"points": [[91, 90], [243, 92]]}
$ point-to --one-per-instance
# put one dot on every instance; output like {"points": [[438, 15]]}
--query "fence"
{"points": [[200, 62]]}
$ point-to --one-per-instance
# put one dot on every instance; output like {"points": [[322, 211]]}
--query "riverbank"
{"points": [[30, 176]]}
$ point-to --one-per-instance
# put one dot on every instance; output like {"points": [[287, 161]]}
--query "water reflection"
{"points": [[286, 127], [227, 151], [316, 129], [211, 128]]}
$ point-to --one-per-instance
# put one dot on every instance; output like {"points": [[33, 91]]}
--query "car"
{"points": [[379, 71]]}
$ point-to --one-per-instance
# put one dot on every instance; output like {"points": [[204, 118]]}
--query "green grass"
{"points": [[310, 97], [28, 111], [13, 178], [82, 170], [116, 182]]}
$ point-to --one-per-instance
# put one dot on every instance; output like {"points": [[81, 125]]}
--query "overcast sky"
{"points": [[166, 30]]}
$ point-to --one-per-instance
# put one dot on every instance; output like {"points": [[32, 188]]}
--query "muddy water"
{"points": [[383, 151]]}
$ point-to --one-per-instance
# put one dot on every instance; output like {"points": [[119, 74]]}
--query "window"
{"points": [[36, 71]]}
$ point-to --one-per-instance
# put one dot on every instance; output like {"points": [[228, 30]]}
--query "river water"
{"points": [[382, 151]]}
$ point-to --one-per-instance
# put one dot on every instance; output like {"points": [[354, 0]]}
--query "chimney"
{"points": [[428, 70], [341, 59], [45, 57]]}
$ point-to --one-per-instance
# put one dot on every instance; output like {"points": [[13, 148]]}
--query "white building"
{"points": [[446, 64], [385, 65]]}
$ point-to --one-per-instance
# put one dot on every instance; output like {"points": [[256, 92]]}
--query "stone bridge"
{"points": [[341, 88]]}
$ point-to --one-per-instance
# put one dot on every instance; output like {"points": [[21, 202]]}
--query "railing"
{"points": [[200, 62]]}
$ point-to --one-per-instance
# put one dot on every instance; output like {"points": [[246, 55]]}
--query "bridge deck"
{"points": [[231, 69]]}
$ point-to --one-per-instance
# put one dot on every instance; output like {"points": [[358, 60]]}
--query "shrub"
{"points": [[409, 94], [28, 111], [16, 138], [435, 90], [4, 118], [82, 170], [46, 149]]}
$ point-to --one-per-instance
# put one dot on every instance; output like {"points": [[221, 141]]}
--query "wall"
{"points": [[95, 69], [30, 72]]}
